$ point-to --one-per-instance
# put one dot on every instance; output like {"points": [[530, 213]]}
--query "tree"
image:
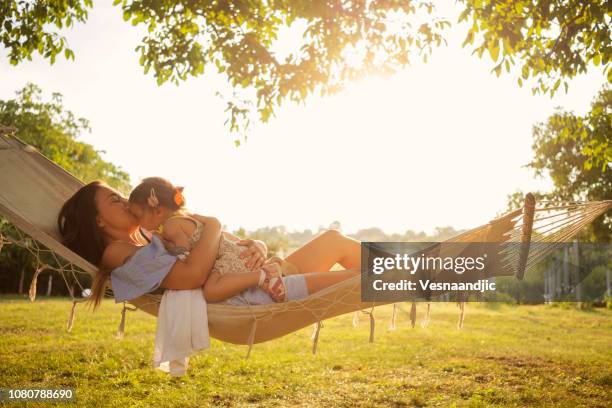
{"points": [[54, 131], [551, 40], [337, 225], [576, 152], [275, 238], [342, 40]]}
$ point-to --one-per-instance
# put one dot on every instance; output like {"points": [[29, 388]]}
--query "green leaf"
{"points": [[597, 59], [518, 7], [469, 39], [464, 15]]}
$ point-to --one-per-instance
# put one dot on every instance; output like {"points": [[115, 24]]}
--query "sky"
{"points": [[441, 143]]}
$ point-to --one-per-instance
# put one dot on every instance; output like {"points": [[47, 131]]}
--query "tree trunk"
{"points": [[21, 278], [49, 285], [576, 256]]}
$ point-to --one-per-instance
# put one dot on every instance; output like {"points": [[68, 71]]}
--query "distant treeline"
{"points": [[17, 265]]}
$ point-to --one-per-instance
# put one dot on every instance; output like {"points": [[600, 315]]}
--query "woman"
{"points": [[96, 224]]}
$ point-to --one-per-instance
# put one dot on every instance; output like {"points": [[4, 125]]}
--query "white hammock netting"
{"points": [[33, 189]]}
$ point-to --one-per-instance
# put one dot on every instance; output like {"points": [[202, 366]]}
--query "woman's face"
{"points": [[113, 211]]}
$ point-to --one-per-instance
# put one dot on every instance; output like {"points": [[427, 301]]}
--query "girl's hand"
{"points": [[255, 254]]}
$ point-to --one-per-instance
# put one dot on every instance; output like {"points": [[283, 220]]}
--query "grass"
{"points": [[504, 356]]}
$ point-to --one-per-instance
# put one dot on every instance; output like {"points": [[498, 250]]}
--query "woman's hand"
{"points": [[255, 254]]}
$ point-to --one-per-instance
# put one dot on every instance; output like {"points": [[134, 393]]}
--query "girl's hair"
{"points": [[153, 191], [80, 232]]}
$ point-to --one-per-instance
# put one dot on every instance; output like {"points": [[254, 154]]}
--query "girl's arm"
{"points": [[193, 272], [220, 287], [176, 232]]}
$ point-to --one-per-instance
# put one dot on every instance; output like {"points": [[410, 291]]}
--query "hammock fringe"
{"points": [[121, 328], [356, 318], [251, 338], [425, 321], [371, 313], [71, 316], [413, 314], [32, 291], [393, 317], [461, 306], [315, 337]]}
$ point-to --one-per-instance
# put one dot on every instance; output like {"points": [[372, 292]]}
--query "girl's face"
{"points": [[148, 218]]}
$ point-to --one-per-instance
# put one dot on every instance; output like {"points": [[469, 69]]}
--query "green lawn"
{"points": [[504, 356]]}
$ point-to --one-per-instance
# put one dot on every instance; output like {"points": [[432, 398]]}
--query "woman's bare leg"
{"points": [[325, 250], [317, 281]]}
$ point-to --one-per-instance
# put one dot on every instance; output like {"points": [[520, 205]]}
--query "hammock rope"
{"points": [[425, 321], [413, 314], [315, 336], [392, 325]]}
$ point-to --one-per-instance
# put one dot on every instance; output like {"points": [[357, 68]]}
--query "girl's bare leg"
{"points": [[317, 281], [221, 287], [325, 250]]}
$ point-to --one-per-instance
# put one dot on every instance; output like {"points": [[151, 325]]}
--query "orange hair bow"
{"points": [[179, 199]]}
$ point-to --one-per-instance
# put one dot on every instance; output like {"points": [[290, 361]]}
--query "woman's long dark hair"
{"points": [[80, 232], [77, 223]]}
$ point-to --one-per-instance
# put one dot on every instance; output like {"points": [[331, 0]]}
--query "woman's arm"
{"points": [[193, 272]]}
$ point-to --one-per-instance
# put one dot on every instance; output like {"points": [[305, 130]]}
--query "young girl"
{"points": [[159, 207]]}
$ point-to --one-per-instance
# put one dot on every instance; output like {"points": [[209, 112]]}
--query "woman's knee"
{"points": [[332, 233]]}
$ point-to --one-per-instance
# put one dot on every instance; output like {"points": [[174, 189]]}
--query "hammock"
{"points": [[33, 189]]}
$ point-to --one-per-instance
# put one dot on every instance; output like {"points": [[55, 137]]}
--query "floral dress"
{"points": [[228, 261]]}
